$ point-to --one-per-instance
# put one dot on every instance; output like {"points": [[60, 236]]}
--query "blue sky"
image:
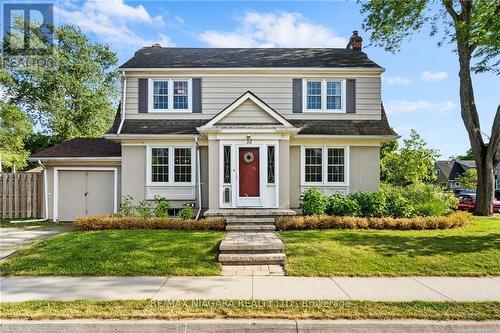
{"points": [[420, 85]]}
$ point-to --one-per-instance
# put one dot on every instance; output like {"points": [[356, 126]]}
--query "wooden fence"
{"points": [[21, 195]]}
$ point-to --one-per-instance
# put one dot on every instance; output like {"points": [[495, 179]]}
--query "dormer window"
{"points": [[324, 95], [170, 95]]}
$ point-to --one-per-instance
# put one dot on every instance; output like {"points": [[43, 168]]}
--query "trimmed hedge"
{"points": [[453, 220], [104, 222]]}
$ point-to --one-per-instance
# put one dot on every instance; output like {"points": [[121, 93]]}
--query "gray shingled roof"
{"points": [[177, 57], [82, 147], [452, 169]]}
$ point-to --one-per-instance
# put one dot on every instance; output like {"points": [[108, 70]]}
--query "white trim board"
{"points": [[55, 198]]}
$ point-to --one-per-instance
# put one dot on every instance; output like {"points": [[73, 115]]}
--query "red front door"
{"points": [[249, 183]]}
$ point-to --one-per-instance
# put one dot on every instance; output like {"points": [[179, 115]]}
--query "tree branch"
{"points": [[448, 4]]}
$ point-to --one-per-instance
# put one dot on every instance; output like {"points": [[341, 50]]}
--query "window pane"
{"points": [[159, 165], [270, 165], [180, 95], [160, 102], [313, 165], [227, 164], [314, 95], [333, 95], [336, 167], [160, 87], [182, 165], [160, 95]]}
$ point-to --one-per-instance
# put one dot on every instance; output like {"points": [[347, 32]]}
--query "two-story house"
{"points": [[228, 128]]}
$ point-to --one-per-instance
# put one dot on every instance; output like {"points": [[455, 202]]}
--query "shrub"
{"points": [[396, 205], [429, 199], [313, 202], [162, 207], [127, 207], [453, 220], [341, 205], [186, 212], [370, 203], [104, 222], [142, 210]]}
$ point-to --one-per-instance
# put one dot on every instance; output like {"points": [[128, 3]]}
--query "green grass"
{"points": [[119, 252], [470, 251], [39, 310]]}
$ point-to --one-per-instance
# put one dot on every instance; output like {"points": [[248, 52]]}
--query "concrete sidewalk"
{"points": [[18, 289]]}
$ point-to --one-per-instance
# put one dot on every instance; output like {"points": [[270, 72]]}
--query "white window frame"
{"points": [[170, 95], [171, 166], [323, 95], [324, 165]]}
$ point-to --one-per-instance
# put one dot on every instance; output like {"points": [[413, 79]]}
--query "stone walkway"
{"points": [[252, 253], [397, 289]]}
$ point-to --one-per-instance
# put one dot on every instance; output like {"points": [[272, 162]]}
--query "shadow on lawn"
{"points": [[389, 245]]}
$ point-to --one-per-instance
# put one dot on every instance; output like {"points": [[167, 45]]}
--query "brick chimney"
{"points": [[156, 45], [356, 42]]}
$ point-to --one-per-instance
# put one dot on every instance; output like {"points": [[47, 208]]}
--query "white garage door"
{"points": [[84, 193]]}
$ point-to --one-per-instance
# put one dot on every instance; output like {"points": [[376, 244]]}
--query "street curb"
{"points": [[247, 326]]}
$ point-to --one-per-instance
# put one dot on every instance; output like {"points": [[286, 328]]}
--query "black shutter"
{"points": [[196, 98], [351, 96], [297, 96], [143, 96]]}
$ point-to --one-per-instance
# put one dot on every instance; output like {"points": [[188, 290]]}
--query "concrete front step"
{"points": [[259, 220], [251, 247], [250, 227], [249, 212], [252, 258]]}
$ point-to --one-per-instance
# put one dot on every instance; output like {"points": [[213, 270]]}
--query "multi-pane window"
{"points": [[336, 164], [227, 164], [313, 165], [170, 95], [160, 95], [180, 95], [182, 165], [271, 169], [159, 165], [333, 95], [314, 95], [323, 95]]}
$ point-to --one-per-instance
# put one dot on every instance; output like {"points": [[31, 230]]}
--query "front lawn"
{"points": [[126, 310], [470, 251], [119, 252]]}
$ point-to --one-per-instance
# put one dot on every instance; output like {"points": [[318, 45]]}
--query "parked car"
{"points": [[467, 202]]}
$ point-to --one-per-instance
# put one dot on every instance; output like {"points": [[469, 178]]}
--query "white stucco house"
{"points": [[227, 129]]}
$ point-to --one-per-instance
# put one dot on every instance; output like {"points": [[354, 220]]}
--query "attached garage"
{"points": [[82, 177], [91, 191]]}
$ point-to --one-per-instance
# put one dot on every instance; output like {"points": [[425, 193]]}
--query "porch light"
{"points": [[249, 139]]}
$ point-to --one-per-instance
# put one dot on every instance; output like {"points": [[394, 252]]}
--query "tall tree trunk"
{"points": [[484, 154]]}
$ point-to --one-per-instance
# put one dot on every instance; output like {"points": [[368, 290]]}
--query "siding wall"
{"points": [[220, 91], [250, 113]]}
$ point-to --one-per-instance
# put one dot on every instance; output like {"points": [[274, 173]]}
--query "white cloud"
{"points": [[397, 80], [404, 106], [283, 29], [112, 21], [433, 76]]}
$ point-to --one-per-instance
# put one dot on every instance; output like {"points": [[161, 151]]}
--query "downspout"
{"points": [[198, 177], [124, 99], [45, 192]]}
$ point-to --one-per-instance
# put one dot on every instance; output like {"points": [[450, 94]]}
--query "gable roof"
{"points": [[177, 57], [452, 169], [239, 101], [82, 147]]}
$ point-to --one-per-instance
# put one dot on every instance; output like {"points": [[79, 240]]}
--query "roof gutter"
{"points": [[329, 69], [124, 100]]}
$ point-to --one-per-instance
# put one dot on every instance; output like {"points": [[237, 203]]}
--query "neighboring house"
{"points": [[228, 128], [447, 172]]}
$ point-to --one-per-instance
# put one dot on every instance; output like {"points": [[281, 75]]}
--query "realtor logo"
{"points": [[27, 28]]}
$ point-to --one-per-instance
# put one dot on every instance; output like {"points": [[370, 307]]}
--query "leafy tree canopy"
{"points": [[15, 127], [468, 179], [468, 156], [413, 163], [74, 98]]}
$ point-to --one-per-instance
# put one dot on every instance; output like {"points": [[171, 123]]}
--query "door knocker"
{"points": [[248, 157]]}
